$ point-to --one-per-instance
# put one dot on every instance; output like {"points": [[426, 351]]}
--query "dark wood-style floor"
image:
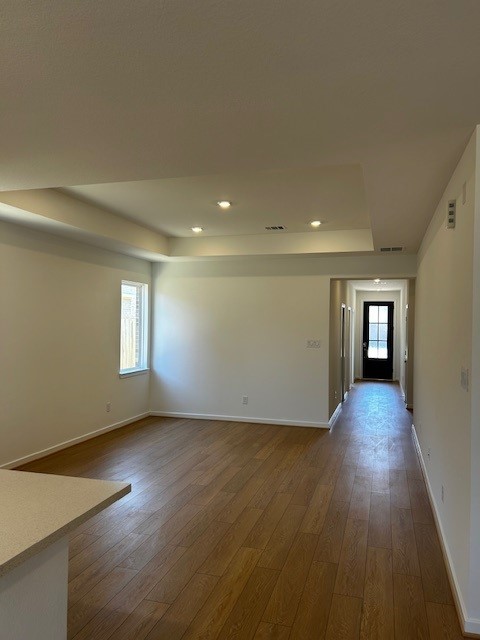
{"points": [[260, 531]]}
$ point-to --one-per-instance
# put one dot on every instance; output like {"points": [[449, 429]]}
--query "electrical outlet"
{"points": [[108, 407], [245, 400], [443, 494]]}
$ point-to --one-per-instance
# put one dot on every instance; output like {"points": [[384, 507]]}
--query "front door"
{"points": [[378, 340]]}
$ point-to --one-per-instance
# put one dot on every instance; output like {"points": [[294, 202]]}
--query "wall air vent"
{"points": [[391, 249], [276, 227]]}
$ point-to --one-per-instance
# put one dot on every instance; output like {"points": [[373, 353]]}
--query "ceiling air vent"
{"points": [[391, 249], [276, 227]]}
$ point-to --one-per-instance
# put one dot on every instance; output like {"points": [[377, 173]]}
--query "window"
{"points": [[134, 327]]}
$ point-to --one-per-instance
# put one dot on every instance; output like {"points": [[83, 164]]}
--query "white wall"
{"points": [[55, 211], [233, 328], [336, 363], [474, 584], [378, 296], [59, 345], [350, 338], [443, 345], [219, 339], [343, 241], [408, 369]]}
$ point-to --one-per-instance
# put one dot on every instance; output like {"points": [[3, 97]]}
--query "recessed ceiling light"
{"points": [[197, 229], [224, 204], [316, 223], [377, 281]]}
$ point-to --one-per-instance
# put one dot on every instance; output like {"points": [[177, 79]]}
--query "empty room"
{"points": [[239, 320]]}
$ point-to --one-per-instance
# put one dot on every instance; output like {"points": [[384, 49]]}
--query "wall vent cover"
{"points": [[391, 249], [276, 227]]}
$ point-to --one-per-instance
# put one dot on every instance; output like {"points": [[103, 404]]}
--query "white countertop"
{"points": [[37, 509]]}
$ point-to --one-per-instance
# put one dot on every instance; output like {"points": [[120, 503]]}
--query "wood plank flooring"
{"points": [[245, 531]]}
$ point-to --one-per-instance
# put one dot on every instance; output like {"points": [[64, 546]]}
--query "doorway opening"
{"points": [[371, 335]]}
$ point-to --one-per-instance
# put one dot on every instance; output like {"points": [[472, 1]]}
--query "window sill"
{"points": [[135, 372]]}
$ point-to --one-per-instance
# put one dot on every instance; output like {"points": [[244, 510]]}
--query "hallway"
{"points": [[404, 584], [260, 531]]}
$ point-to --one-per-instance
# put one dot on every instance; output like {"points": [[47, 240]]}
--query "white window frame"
{"points": [[143, 365]]}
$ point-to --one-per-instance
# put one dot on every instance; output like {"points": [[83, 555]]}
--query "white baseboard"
{"points": [[335, 415], [207, 416], [470, 626], [69, 443]]}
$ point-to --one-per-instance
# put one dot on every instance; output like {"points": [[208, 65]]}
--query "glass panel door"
{"points": [[378, 332], [378, 340]]}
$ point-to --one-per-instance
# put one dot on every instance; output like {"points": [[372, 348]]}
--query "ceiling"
{"points": [[293, 198], [116, 91], [383, 285]]}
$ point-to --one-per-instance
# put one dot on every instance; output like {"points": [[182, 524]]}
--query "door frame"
{"points": [[343, 316]]}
